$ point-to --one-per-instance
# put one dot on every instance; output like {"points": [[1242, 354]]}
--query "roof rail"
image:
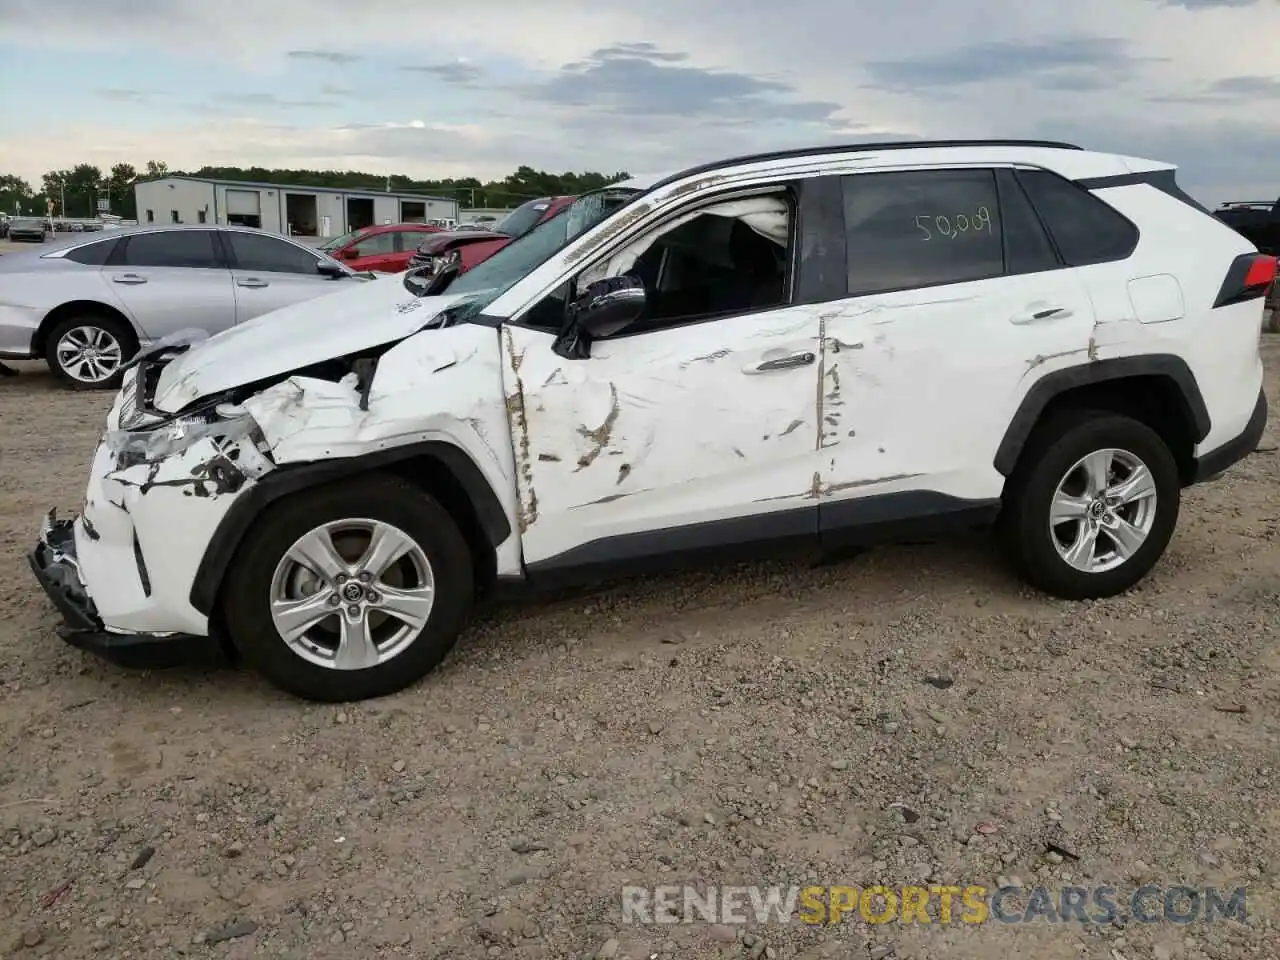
{"points": [[797, 152]]}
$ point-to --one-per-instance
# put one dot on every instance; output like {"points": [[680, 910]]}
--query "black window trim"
{"points": [[992, 168], [229, 253], [1088, 186], [1006, 182], [118, 256], [790, 185]]}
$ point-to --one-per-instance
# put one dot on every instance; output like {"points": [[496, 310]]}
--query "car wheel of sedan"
{"points": [[350, 591], [89, 352]]}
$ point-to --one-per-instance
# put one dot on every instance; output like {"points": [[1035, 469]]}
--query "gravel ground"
{"points": [[911, 714]]}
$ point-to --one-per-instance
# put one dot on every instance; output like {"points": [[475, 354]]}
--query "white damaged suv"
{"points": [[815, 348]]}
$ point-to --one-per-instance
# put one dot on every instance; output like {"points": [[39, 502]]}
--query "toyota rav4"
{"points": [[815, 348]]}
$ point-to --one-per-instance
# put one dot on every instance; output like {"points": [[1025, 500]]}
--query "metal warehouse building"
{"points": [[299, 211]]}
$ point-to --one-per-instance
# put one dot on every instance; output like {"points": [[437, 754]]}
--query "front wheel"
{"points": [[89, 352], [350, 591], [1092, 505]]}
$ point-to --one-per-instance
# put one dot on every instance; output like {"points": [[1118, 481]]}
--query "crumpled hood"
{"points": [[329, 326], [458, 238]]}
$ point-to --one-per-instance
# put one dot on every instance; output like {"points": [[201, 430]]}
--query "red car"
{"points": [[387, 248], [476, 245]]}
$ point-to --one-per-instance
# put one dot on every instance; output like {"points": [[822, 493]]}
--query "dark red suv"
{"points": [[474, 246]]}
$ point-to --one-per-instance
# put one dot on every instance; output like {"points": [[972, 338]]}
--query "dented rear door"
{"points": [[957, 303]]}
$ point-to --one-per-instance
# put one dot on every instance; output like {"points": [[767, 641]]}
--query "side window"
{"points": [[267, 254], [717, 260], [1085, 229], [169, 248], [376, 245], [93, 254], [407, 240], [921, 228]]}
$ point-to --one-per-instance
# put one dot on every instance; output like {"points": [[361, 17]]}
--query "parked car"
{"points": [[29, 228], [814, 348], [475, 244], [385, 249], [1258, 221], [88, 304]]}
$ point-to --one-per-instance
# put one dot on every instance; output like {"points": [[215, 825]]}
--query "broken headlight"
{"points": [[224, 422]]}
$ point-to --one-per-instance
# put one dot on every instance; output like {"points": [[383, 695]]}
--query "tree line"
{"points": [[75, 192]]}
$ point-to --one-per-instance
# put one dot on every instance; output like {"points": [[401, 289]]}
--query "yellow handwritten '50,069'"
{"points": [[954, 226]]}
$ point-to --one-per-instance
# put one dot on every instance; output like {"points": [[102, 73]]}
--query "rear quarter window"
{"points": [[1084, 228], [92, 254]]}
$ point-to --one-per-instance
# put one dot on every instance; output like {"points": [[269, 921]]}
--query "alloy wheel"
{"points": [[89, 354], [1102, 510], [352, 594]]}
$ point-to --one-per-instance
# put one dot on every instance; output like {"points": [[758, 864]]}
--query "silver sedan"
{"points": [[87, 304]]}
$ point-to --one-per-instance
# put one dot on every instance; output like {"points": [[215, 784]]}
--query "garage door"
{"points": [[244, 203]]}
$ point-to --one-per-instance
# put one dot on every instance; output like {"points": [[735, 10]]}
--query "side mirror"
{"points": [[350, 253], [331, 270], [608, 306]]}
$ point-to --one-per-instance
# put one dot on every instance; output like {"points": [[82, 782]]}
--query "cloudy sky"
{"points": [[479, 87]]}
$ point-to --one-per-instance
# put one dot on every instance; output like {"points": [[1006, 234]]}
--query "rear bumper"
{"points": [[57, 569], [1217, 461]]}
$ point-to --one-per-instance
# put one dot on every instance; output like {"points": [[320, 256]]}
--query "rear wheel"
{"points": [[1092, 505], [350, 591], [89, 351]]}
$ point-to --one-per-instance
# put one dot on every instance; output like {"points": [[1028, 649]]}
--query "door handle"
{"points": [[1048, 313], [128, 278], [782, 363], [253, 282]]}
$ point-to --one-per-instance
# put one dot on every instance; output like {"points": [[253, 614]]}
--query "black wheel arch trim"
{"points": [[1096, 372], [288, 480]]}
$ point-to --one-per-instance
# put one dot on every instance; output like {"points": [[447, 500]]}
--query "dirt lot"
{"points": [[911, 715]]}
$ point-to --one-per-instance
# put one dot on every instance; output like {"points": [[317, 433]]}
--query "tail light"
{"points": [[1250, 277]]}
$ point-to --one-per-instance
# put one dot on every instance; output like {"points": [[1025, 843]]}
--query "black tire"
{"points": [[120, 331], [1054, 446], [246, 596]]}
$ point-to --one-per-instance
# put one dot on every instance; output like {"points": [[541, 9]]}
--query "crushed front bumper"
{"points": [[54, 563]]}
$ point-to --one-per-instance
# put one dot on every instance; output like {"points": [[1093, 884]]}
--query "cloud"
{"points": [[561, 85], [123, 96], [324, 56], [1072, 63], [640, 81], [1227, 90], [266, 100], [1253, 87], [460, 72], [1208, 4]]}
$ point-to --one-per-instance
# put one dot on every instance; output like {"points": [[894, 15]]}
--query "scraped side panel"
{"points": [[661, 429]]}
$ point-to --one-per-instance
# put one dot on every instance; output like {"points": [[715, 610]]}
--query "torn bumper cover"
{"points": [[55, 565]]}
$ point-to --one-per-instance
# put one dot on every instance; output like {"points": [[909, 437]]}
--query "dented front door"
{"points": [[706, 422]]}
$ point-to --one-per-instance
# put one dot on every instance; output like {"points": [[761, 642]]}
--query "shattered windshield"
{"points": [[491, 278], [523, 218]]}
